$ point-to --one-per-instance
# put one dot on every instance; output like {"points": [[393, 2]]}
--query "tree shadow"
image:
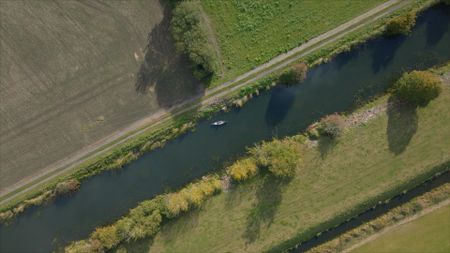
{"points": [[280, 103], [236, 193], [402, 125], [268, 199], [172, 230], [138, 246], [164, 71], [325, 144], [437, 25], [346, 57], [384, 51]]}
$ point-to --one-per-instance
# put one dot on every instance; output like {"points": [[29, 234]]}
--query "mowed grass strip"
{"points": [[430, 233], [370, 162], [252, 32]]}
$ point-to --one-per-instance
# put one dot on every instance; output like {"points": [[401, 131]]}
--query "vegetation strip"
{"points": [[14, 200]]}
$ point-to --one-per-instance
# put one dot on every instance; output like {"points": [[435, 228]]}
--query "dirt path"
{"points": [[390, 228], [211, 96]]}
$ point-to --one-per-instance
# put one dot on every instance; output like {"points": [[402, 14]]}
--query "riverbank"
{"points": [[407, 212], [324, 192], [140, 138], [426, 232]]}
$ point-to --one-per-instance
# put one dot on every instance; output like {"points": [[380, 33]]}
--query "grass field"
{"points": [[336, 182], [75, 72], [252, 32], [430, 233]]}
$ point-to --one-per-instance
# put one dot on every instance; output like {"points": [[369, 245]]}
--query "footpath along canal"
{"points": [[336, 86]]}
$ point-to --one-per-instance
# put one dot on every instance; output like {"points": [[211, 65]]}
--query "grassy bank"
{"points": [[172, 127], [429, 233], [251, 33], [348, 240], [390, 153]]}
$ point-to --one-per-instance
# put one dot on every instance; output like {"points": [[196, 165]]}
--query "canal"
{"points": [[350, 78]]}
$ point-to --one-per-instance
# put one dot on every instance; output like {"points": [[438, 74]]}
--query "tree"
{"points": [[300, 71], [294, 75], [107, 236], [401, 25], [417, 87], [243, 169], [191, 38], [332, 125], [280, 157]]}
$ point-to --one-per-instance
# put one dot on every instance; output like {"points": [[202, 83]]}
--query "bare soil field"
{"points": [[72, 73]]}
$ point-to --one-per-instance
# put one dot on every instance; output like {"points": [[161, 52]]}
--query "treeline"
{"points": [[191, 37]]}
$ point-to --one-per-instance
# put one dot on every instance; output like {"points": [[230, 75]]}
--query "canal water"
{"points": [[336, 86]]}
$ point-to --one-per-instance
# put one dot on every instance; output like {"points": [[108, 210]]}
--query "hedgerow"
{"points": [[191, 38], [243, 169]]}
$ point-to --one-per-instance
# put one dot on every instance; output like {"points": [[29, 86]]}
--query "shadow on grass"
{"points": [[268, 199], [325, 144], [164, 71], [402, 125], [173, 229], [139, 246]]}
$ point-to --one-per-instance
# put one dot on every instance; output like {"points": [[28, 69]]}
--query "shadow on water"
{"points": [[384, 53], [268, 199], [281, 101], [163, 70], [437, 25], [402, 125], [347, 57]]}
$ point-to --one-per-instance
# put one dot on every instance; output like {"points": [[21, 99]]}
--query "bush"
{"points": [[146, 226], [300, 71], [66, 186], [401, 25], [192, 195], [332, 125], [294, 75], [82, 246], [280, 157], [176, 203], [313, 132], [242, 169], [106, 236], [191, 38], [417, 87]]}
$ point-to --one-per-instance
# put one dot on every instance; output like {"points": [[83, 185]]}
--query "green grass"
{"points": [[430, 233], [252, 32], [370, 163]]}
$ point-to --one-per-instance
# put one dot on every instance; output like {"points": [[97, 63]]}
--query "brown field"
{"points": [[72, 73]]}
